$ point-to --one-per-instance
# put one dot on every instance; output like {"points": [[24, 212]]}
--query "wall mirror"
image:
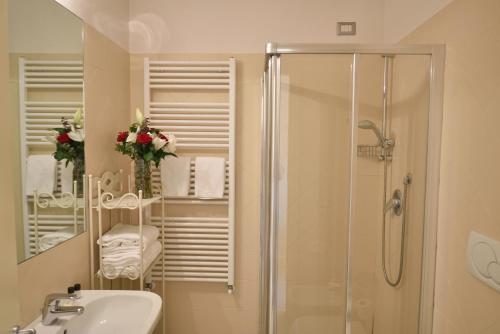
{"points": [[46, 102]]}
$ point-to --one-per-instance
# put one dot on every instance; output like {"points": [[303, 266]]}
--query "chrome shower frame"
{"points": [[270, 163]]}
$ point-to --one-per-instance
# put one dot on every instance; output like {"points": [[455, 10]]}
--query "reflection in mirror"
{"points": [[46, 93]]}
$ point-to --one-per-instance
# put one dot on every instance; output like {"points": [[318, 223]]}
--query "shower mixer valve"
{"points": [[395, 203]]}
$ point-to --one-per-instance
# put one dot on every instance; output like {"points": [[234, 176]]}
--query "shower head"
{"points": [[369, 125]]}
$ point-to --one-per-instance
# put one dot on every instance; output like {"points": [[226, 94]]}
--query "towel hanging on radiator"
{"points": [[209, 177]]}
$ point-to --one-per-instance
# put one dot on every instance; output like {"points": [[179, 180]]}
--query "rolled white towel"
{"points": [[131, 268], [128, 235]]}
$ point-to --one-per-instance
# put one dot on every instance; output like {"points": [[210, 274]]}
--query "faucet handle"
{"points": [[57, 296], [17, 330], [54, 297]]}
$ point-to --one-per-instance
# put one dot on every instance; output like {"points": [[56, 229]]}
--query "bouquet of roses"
{"points": [[142, 142], [69, 139]]}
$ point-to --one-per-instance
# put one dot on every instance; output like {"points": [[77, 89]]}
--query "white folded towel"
{"points": [[52, 239], [130, 266], [120, 250], [40, 174], [128, 235], [210, 174], [175, 175], [66, 177]]}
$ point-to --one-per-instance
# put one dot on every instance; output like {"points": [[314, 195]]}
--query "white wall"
{"points": [[243, 26], [109, 17], [403, 16], [35, 27]]}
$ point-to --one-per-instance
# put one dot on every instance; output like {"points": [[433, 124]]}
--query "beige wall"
{"points": [[238, 26], [107, 101], [207, 308], [54, 270], [109, 17], [403, 16], [35, 27], [107, 105], [9, 304], [469, 169]]}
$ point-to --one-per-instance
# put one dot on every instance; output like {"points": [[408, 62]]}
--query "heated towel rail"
{"points": [[195, 100]]}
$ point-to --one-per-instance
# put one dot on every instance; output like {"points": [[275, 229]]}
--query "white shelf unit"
{"points": [[109, 195], [46, 93], [196, 101], [41, 225]]}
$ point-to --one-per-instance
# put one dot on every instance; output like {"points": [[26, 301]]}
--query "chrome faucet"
{"points": [[52, 310]]}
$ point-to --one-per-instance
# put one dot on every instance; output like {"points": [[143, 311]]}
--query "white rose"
{"points": [[172, 141], [158, 143]]}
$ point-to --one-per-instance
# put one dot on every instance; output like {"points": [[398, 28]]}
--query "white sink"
{"points": [[109, 312]]}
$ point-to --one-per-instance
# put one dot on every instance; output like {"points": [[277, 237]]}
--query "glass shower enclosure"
{"points": [[350, 164]]}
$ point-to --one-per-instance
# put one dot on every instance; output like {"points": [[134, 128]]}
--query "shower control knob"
{"points": [[388, 142], [395, 204]]}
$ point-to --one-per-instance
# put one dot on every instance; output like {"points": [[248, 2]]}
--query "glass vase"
{"points": [[78, 171], [143, 178]]}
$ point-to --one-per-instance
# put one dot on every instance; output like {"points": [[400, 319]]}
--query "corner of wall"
{"points": [[401, 17]]}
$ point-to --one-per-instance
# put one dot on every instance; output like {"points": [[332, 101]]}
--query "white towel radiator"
{"points": [[195, 100]]}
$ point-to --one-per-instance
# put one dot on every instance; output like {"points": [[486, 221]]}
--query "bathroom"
{"points": [[353, 195]]}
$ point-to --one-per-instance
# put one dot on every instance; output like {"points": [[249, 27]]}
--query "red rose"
{"points": [[63, 138], [144, 138], [122, 136]]}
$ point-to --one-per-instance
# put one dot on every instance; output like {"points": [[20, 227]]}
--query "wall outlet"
{"points": [[346, 28]]}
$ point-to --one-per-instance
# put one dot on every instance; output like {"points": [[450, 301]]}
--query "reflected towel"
{"points": [[66, 177], [175, 175], [130, 267], [52, 239], [40, 174], [210, 174], [128, 235]]}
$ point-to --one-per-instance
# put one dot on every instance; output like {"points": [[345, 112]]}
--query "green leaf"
{"points": [[148, 156]]}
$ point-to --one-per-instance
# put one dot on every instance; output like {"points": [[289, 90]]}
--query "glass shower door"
{"points": [[314, 122], [348, 230], [386, 244]]}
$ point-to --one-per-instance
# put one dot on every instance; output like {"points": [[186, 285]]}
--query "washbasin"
{"points": [[109, 312]]}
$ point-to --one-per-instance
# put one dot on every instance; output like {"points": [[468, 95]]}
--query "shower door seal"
{"points": [[269, 177]]}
